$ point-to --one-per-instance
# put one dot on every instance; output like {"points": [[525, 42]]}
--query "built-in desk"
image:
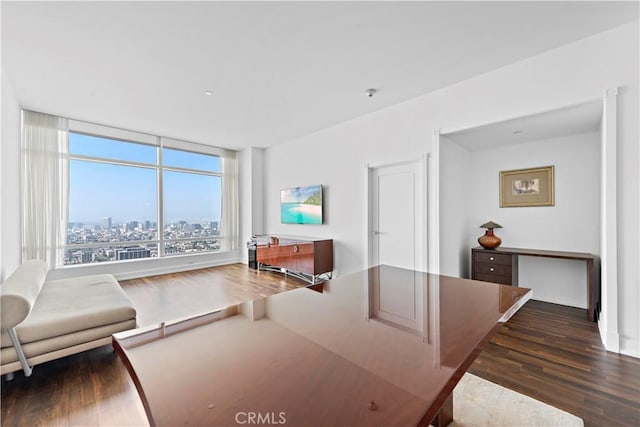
{"points": [[501, 266]]}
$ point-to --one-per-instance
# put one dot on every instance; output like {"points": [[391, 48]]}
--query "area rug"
{"points": [[481, 403]]}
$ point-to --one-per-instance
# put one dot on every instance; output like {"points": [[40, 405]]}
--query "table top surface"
{"points": [[385, 346], [266, 239], [540, 253]]}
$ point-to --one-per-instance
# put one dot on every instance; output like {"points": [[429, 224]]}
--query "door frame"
{"points": [[422, 203]]}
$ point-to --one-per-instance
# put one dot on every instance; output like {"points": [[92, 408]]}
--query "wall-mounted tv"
{"points": [[301, 205]]}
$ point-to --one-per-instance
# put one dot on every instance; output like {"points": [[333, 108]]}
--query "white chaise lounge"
{"points": [[44, 320]]}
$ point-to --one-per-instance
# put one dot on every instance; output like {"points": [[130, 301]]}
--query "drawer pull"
{"points": [[491, 269], [491, 258]]}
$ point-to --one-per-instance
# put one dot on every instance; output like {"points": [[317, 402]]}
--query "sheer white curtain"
{"points": [[44, 187], [229, 228]]}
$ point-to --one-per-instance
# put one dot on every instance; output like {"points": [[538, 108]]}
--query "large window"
{"points": [[142, 198]]}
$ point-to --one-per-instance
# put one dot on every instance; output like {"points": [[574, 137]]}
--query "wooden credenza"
{"points": [[501, 266], [306, 258]]}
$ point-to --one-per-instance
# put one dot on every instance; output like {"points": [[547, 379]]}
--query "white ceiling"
{"points": [[537, 127], [277, 70]]}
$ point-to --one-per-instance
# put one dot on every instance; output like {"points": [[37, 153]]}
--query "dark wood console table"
{"points": [[308, 259], [501, 266]]}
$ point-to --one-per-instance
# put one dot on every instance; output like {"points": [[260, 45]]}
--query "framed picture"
{"points": [[527, 187]]}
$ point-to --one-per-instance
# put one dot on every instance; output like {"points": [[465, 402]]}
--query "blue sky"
{"points": [[298, 194], [126, 193]]}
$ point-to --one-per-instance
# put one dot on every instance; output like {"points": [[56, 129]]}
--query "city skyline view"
{"points": [[113, 201], [117, 242]]}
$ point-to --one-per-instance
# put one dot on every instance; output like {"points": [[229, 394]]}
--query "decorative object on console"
{"points": [[527, 187], [489, 240]]}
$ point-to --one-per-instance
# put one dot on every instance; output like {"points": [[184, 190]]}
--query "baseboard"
{"points": [[618, 343], [630, 346], [610, 340]]}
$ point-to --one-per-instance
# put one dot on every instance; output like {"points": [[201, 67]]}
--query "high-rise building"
{"points": [[106, 223], [132, 252]]}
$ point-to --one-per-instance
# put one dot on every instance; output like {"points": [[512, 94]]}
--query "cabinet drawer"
{"points": [[495, 269], [492, 258]]}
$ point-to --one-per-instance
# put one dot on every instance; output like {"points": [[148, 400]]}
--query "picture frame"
{"points": [[527, 187]]}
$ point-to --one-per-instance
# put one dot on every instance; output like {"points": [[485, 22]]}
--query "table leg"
{"points": [[592, 297], [445, 414]]}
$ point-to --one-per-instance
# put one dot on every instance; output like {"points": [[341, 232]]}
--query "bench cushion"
{"points": [[68, 306], [19, 292]]}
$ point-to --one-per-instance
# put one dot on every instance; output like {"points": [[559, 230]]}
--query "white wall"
{"points": [[251, 195], [337, 159], [10, 200], [257, 185], [571, 225], [572, 74], [456, 187], [629, 214]]}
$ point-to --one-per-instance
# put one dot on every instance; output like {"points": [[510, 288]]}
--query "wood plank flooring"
{"points": [[173, 296], [554, 354], [549, 352]]}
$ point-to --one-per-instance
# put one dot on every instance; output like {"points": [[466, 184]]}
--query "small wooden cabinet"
{"points": [[491, 266], [305, 258]]}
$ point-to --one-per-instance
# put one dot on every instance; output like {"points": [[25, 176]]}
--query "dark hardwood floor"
{"points": [[554, 354], [549, 352]]}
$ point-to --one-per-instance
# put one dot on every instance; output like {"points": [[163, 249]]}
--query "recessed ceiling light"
{"points": [[370, 92], [208, 92]]}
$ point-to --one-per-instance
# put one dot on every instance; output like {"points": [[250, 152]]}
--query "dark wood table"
{"points": [[385, 346]]}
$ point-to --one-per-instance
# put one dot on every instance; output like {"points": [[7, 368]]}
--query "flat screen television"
{"points": [[301, 205]]}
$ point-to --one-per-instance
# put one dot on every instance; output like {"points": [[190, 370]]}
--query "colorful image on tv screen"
{"points": [[301, 205]]}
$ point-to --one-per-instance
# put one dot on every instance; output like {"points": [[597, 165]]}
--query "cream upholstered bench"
{"points": [[45, 320]]}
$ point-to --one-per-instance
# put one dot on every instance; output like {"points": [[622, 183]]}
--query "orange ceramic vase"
{"points": [[489, 240]]}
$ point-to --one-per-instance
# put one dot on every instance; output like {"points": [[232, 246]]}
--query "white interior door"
{"points": [[397, 216]]}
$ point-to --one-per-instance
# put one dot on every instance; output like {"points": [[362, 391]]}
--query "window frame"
{"points": [[159, 143]]}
